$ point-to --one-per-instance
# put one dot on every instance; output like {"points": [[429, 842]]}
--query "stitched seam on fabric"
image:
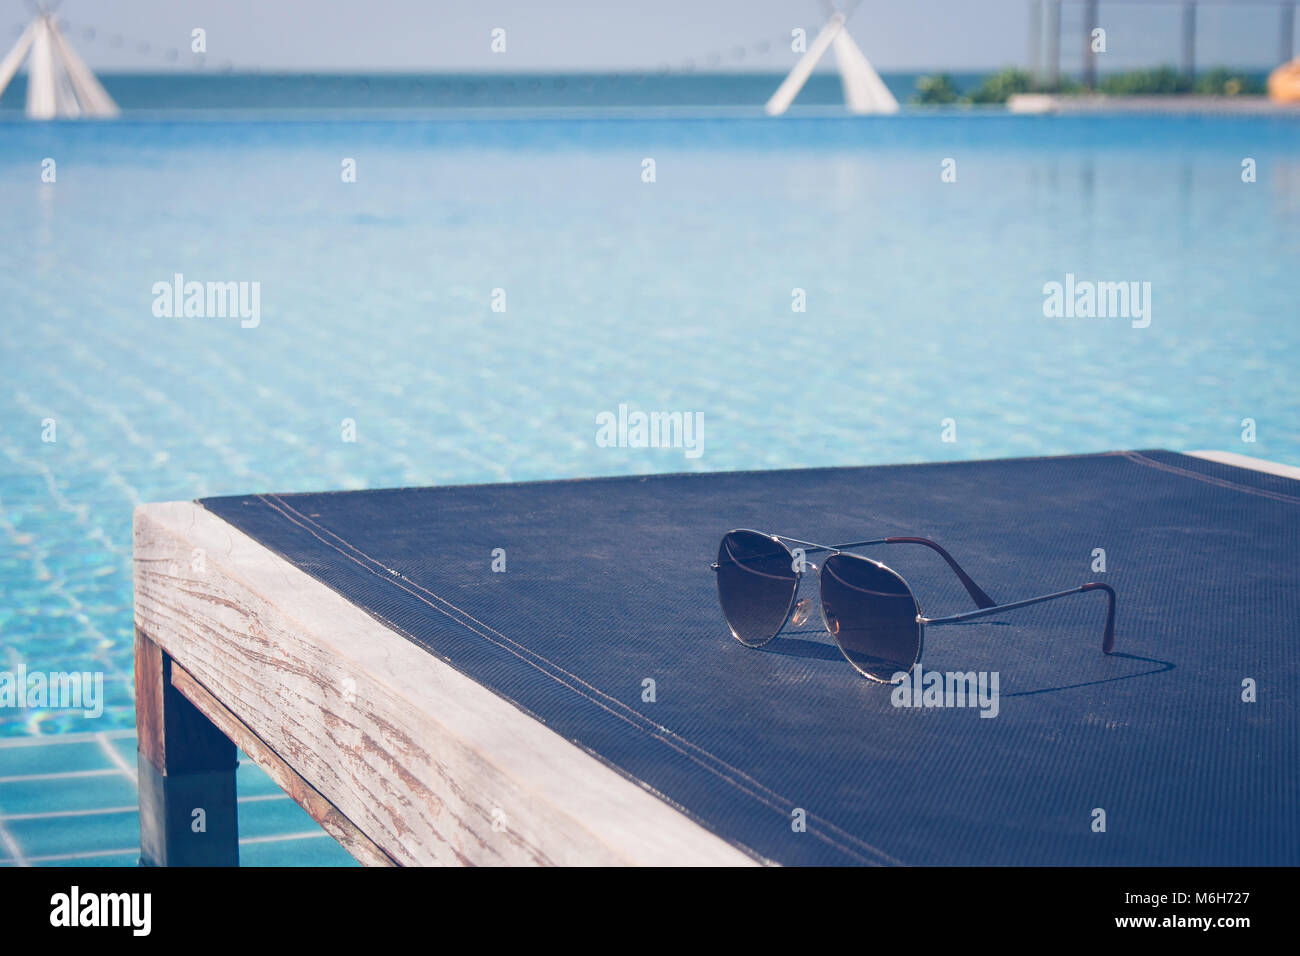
{"points": [[393, 576], [1209, 479], [654, 730]]}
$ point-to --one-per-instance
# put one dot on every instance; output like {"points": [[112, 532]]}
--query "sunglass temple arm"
{"points": [[1108, 641]]}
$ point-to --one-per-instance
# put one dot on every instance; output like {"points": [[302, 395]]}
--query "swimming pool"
{"points": [[924, 312]]}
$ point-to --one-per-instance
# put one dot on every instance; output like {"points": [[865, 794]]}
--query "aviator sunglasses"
{"points": [[868, 608]]}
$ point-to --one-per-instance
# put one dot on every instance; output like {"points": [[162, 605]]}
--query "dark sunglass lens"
{"points": [[756, 585], [872, 614]]}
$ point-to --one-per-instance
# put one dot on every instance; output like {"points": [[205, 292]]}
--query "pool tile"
{"points": [[313, 851], [58, 836], [252, 781], [272, 817], [44, 758], [29, 808], [75, 793], [131, 858]]}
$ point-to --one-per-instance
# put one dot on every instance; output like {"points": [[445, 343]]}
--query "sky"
{"points": [[578, 35]]}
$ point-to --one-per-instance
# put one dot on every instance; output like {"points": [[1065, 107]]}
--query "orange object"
{"points": [[1284, 83]]}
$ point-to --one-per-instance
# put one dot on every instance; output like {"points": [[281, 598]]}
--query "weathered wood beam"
{"points": [[427, 764], [308, 797]]}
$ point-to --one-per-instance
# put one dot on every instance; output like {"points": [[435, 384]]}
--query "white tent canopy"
{"points": [[59, 84], [864, 91]]}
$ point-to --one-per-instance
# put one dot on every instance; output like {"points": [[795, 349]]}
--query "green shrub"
{"points": [[935, 90], [1221, 82], [940, 89], [997, 87], [1162, 81]]}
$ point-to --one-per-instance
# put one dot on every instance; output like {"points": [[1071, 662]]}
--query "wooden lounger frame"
{"points": [[396, 754], [399, 757]]}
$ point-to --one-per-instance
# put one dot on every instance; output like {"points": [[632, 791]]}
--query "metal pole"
{"points": [[1053, 44], [1035, 40], [1089, 57], [1287, 29], [1189, 39]]}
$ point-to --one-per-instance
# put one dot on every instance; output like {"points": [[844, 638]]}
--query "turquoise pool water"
{"points": [[924, 302], [71, 800]]}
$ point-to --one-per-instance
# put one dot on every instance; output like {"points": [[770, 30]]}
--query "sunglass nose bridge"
{"points": [[802, 612]]}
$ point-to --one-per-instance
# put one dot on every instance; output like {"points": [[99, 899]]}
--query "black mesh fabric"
{"points": [[608, 583]]}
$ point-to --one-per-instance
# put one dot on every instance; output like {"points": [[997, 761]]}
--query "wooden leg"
{"points": [[187, 773]]}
